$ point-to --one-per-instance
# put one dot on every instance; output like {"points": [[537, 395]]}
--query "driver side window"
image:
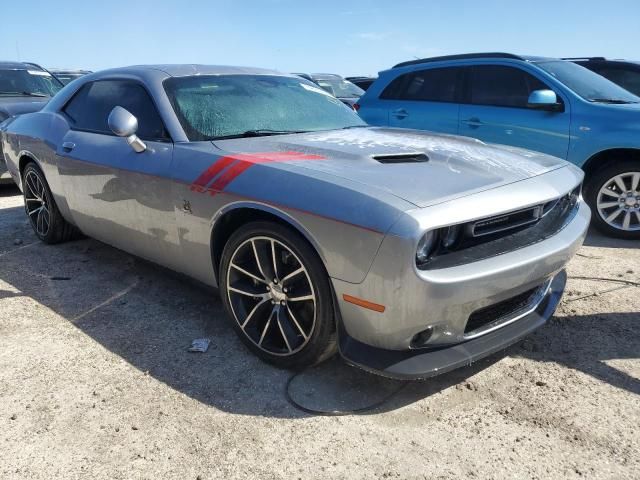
{"points": [[502, 86], [89, 108]]}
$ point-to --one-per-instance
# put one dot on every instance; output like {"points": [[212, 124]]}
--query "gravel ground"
{"points": [[95, 382]]}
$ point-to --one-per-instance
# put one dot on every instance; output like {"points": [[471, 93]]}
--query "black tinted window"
{"points": [[433, 85], [90, 108], [502, 86], [627, 79]]}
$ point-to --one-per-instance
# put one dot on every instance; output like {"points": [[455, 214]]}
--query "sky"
{"points": [[348, 37]]}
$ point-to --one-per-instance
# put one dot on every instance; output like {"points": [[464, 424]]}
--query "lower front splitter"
{"points": [[425, 363]]}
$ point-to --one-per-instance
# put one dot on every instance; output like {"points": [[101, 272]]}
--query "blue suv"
{"points": [[544, 104]]}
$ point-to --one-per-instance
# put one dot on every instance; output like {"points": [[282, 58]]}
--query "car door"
{"points": [[116, 195], [495, 111], [425, 99]]}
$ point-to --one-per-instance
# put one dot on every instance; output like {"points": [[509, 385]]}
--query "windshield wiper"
{"points": [[614, 101], [258, 133], [25, 94]]}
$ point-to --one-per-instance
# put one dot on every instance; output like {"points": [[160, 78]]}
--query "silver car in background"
{"points": [[412, 253]]}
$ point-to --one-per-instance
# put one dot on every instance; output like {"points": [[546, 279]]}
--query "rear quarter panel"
{"points": [[35, 136]]}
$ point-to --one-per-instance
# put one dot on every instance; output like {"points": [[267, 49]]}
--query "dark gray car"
{"points": [[24, 88]]}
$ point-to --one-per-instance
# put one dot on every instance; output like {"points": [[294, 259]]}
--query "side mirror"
{"points": [[544, 100], [124, 124]]}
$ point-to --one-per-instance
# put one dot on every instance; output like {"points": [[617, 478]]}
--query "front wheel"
{"points": [[613, 194], [277, 293]]}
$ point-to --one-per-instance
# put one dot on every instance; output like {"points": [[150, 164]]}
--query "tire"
{"points": [[45, 218], [277, 320], [619, 204]]}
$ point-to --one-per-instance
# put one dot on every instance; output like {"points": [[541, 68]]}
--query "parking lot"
{"points": [[96, 382]]}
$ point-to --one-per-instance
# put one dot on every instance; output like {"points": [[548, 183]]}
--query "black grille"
{"points": [[522, 231], [497, 311], [508, 221]]}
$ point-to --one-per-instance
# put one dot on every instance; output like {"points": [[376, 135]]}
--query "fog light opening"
{"points": [[420, 339]]}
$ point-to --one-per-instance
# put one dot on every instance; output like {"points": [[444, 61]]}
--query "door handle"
{"points": [[68, 146], [400, 113], [473, 122]]}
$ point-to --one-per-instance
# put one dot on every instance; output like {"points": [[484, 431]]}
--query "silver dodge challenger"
{"points": [[409, 252]]}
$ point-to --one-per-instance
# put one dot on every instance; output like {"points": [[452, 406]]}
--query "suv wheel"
{"points": [[613, 194]]}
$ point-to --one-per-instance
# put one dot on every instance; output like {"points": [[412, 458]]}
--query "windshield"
{"points": [[587, 84], [223, 106], [338, 87], [28, 82]]}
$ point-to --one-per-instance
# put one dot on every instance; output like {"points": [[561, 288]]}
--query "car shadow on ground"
{"points": [[148, 316], [589, 344], [597, 239], [9, 190]]}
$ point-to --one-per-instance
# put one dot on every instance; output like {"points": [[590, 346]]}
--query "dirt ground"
{"points": [[96, 382]]}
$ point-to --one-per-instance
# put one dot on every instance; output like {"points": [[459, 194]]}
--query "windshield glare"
{"points": [[211, 107], [587, 84], [340, 88], [23, 82]]}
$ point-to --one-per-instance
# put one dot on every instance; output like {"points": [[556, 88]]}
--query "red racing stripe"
{"points": [[213, 170], [244, 161], [228, 176], [276, 157]]}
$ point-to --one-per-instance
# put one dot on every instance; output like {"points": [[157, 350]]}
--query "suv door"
{"points": [[495, 111], [116, 195], [425, 99]]}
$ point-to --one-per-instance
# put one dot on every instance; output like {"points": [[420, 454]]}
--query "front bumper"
{"points": [[444, 299], [424, 363]]}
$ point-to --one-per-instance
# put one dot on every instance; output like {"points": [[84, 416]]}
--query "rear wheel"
{"points": [[613, 194], [277, 293], [44, 216]]}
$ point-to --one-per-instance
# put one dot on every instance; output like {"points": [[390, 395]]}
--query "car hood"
{"points": [[19, 105], [455, 166]]}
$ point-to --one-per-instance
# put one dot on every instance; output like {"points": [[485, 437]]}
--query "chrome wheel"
{"points": [[271, 295], [37, 203], [618, 201]]}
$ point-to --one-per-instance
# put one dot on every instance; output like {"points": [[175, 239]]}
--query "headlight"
{"points": [[425, 247]]}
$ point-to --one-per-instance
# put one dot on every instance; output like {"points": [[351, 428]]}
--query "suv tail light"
{"points": [[356, 107]]}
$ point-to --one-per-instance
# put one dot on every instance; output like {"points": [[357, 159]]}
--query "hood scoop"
{"points": [[404, 157]]}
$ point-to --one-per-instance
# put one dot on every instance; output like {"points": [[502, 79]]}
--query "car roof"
{"points": [[184, 70], [324, 76], [5, 65], [475, 56], [601, 60], [69, 71]]}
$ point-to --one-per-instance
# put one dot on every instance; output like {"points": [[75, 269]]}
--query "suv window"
{"points": [[502, 86], [432, 85], [90, 107]]}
